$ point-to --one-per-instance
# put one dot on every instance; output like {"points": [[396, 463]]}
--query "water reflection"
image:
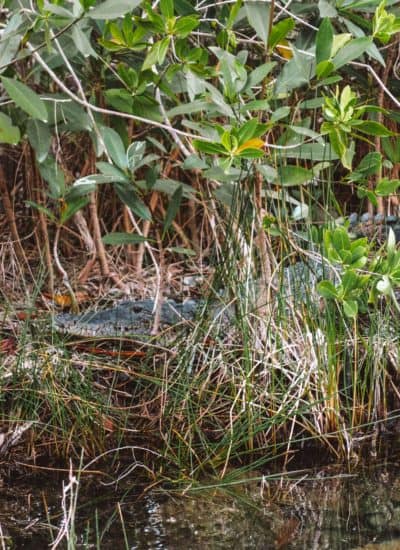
{"points": [[313, 512]]}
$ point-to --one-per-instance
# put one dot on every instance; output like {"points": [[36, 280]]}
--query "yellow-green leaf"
{"points": [[255, 143]]}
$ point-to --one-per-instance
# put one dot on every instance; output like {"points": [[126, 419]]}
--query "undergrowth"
{"points": [[288, 375]]}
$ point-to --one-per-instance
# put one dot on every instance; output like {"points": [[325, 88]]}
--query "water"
{"points": [[328, 509]]}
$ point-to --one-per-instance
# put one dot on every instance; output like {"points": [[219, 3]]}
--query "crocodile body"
{"points": [[377, 226], [136, 319]]}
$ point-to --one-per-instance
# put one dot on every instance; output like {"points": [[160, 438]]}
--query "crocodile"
{"points": [[136, 318], [133, 319]]}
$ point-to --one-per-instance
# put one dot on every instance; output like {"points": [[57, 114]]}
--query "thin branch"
{"points": [[110, 112]]}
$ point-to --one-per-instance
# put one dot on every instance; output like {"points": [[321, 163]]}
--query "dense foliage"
{"points": [[293, 97]]}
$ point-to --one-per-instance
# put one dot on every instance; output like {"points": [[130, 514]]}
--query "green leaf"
{"points": [[209, 148], [391, 149], [188, 108], [226, 140], [9, 44], [135, 154], [234, 11], [327, 289], [120, 99], [39, 137], [258, 14], [114, 146], [151, 57], [51, 172], [350, 308], [340, 239], [122, 238], [250, 153], [304, 131], [81, 190], [185, 25], [173, 208], [293, 175], [324, 69], [386, 187], [48, 213], [324, 40], [281, 112], [184, 7], [111, 171], [312, 151], [58, 10], [384, 24], [314, 103], [352, 50], [169, 186], [112, 9], [339, 40], [256, 105], [326, 9], [129, 197], [280, 31], [219, 101], [72, 208], [259, 74], [167, 8], [163, 49], [250, 129], [156, 54], [81, 39], [328, 82], [8, 132], [367, 194], [193, 162], [372, 128], [341, 146], [72, 114], [370, 164], [296, 72], [25, 98]]}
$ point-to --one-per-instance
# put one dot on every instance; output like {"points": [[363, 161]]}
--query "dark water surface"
{"points": [[312, 510]]}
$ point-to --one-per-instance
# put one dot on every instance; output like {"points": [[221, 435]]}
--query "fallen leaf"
{"points": [[65, 300], [25, 315], [108, 424], [8, 345]]}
